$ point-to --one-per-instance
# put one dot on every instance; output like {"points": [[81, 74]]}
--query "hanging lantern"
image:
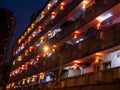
{"points": [[53, 14], [28, 30], [30, 48], [34, 34], [13, 84], [46, 49], [26, 52], [31, 61], [84, 4], [39, 27], [32, 26], [19, 41], [54, 47], [19, 58], [98, 26], [33, 79], [22, 37], [42, 75], [28, 80], [42, 14], [10, 74], [29, 38], [38, 58], [97, 58], [75, 66], [49, 6], [76, 34], [62, 4], [23, 81]]}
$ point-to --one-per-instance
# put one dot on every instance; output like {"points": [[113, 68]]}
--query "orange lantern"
{"points": [[38, 57], [42, 75], [76, 33], [75, 66], [62, 4], [30, 48]]}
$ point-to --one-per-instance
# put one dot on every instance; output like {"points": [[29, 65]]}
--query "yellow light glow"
{"points": [[98, 26], [77, 61], [84, 4], [49, 6], [97, 58], [46, 48]]}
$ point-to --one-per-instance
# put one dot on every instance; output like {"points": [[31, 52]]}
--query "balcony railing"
{"points": [[106, 79]]}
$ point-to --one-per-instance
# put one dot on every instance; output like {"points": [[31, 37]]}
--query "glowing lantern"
{"points": [[42, 75], [19, 41], [28, 80], [23, 67], [23, 82], [31, 61], [46, 49], [49, 6], [29, 38], [34, 34], [62, 4], [13, 84], [38, 57], [22, 37], [33, 25], [39, 27], [54, 47], [26, 52], [33, 79], [30, 48], [97, 58], [76, 33], [53, 15], [84, 4], [42, 14], [28, 30], [19, 58], [25, 33], [10, 74], [98, 26], [75, 66]]}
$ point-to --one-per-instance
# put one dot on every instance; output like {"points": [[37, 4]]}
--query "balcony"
{"points": [[106, 79]]}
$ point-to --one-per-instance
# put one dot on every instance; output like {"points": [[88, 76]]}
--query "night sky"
{"points": [[22, 10]]}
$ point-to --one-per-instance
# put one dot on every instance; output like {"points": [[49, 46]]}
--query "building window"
{"points": [[106, 65]]}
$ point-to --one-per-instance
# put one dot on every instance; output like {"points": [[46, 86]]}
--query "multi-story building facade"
{"points": [[71, 45], [7, 23]]}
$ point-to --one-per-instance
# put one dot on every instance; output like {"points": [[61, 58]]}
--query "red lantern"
{"points": [[53, 15], [38, 57], [76, 33], [40, 27]]}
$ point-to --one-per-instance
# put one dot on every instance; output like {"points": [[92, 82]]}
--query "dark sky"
{"points": [[22, 10]]}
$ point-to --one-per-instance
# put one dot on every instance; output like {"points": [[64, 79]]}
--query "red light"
{"points": [[77, 32], [40, 27], [76, 61], [54, 46]]}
